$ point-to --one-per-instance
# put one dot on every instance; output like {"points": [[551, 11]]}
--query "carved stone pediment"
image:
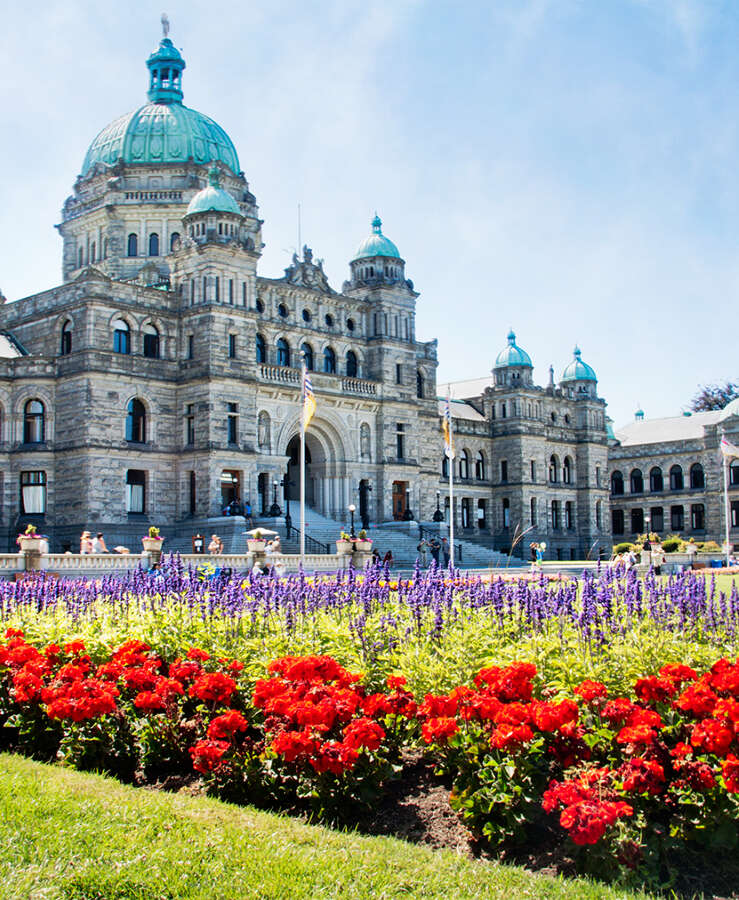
{"points": [[306, 273]]}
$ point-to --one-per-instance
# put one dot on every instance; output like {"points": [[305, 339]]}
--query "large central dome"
{"points": [[164, 130]]}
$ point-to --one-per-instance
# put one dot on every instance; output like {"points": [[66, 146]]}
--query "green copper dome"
{"points": [[213, 198], [578, 370], [512, 355], [162, 131], [377, 244]]}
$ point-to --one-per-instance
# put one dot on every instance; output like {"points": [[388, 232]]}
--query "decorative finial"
{"points": [[578, 351], [214, 176], [165, 25], [511, 337], [376, 224]]}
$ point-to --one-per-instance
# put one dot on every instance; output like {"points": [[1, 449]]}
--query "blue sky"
{"points": [[565, 168]]}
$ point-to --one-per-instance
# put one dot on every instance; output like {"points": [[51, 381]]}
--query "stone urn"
{"points": [[152, 545], [364, 545], [256, 545], [30, 543], [343, 546]]}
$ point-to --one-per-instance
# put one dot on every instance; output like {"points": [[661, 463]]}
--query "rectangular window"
{"points": [[405, 326], [400, 440], [658, 519], [734, 474], [232, 346], [677, 521], [597, 476], [735, 513], [233, 423], [374, 324], [193, 494], [697, 517], [243, 294], [506, 514], [555, 515], [190, 424], [218, 289], [504, 470], [481, 518], [190, 346], [533, 471], [231, 291], [205, 288], [569, 515], [192, 292], [135, 491], [397, 327], [617, 521], [398, 374], [33, 493], [533, 510]]}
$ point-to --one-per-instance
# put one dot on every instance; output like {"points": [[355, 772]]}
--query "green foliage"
{"points": [[623, 547], [672, 545]]}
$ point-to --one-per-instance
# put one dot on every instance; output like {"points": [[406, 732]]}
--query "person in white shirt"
{"points": [[98, 543]]}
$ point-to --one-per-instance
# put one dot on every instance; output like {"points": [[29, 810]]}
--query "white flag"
{"points": [[728, 450]]}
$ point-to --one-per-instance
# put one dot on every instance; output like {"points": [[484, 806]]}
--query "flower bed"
{"points": [[627, 779]]}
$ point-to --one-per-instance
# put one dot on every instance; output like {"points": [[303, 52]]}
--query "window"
{"points": [[445, 466], [350, 324], [617, 521], [637, 521], [66, 342], [599, 515], [282, 311], [400, 440], [481, 515], [154, 245], [233, 423], [480, 466], [217, 285], [532, 511], [283, 352], [617, 484], [232, 346], [307, 315], [676, 479], [306, 351], [243, 293], [734, 473], [135, 422], [419, 386], [151, 342], [569, 515], [656, 482], [34, 422], [637, 482], [398, 373], [503, 411], [329, 320], [506, 513], [135, 491], [93, 252], [193, 493], [260, 306], [121, 337], [190, 346], [81, 257], [597, 476], [504, 470], [231, 291], [697, 517], [173, 240], [567, 470], [555, 515], [553, 469], [697, 479], [735, 513], [677, 519], [261, 348], [329, 361], [464, 465], [190, 424], [658, 519], [33, 493], [133, 245], [533, 470], [352, 368]]}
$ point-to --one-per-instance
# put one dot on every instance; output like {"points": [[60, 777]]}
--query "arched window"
{"points": [[154, 244], [697, 479], [283, 352], [151, 341], [34, 422], [676, 478], [419, 386], [637, 481], [173, 240], [261, 348], [66, 341], [136, 422], [121, 336], [553, 466], [133, 245], [617, 484], [445, 466], [480, 466], [351, 364], [567, 470], [464, 465], [307, 352], [656, 481], [329, 361]]}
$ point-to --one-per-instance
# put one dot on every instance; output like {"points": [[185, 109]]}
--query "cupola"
{"points": [[513, 365], [579, 376], [377, 260], [213, 214]]}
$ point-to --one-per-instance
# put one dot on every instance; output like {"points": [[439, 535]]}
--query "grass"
{"points": [[71, 836]]}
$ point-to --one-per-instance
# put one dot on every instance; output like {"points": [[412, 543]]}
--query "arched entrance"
{"points": [[328, 487], [292, 482]]}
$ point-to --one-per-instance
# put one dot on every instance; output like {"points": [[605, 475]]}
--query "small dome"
{"points": [[731, 409], [377, 244], [213, 198], [512, 355], [578, 370]]}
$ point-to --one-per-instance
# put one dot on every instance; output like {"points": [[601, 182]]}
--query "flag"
{"points": [[728, 450], [309, 398], [446, 424]]}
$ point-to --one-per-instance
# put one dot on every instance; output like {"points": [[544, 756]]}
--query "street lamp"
{"points": [[352, 510], [438, 515], [647, 543], [274, 510], [286, 485]]}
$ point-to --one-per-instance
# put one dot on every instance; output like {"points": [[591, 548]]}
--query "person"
{"points": [[435, 547], [540, 548], [422, 548], [86, 542], [630, 559], [445, 551], [276, 545], [215, 547], [692, 551], [235, 508], [658, 558], [375, 555], [247, 514], [387, 559], [98, 543]]}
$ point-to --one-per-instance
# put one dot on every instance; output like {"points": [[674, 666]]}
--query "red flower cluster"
{"points": [[588, 805]]}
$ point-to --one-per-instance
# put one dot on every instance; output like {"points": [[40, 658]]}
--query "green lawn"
{"points": [[75, 836]]}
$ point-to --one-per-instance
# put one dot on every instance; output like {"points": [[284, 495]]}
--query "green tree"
{"points": [[714, 396]]}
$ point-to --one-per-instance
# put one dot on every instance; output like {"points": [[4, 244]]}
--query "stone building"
{"points": [[666, 475]]}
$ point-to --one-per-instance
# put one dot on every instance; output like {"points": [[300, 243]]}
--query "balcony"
{"points": [[320, 380]]}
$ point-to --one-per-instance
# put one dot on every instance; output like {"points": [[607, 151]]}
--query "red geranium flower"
{"points": [[439, 730], [213, 686], [207, 755], [225, 726], [363, 733], [730, 771], [591, 690]]}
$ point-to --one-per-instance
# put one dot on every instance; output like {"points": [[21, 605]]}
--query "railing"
{"points": [[311, 544], [358, 386], [11, 562], [95, 561], [280, 373]]}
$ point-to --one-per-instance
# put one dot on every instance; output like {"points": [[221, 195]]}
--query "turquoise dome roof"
{"points": [[213, 198], [164, 130], [377, 244], [512, 355], [578, 370]]}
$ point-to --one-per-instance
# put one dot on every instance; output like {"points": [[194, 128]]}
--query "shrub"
{"points": [[623, 547], [671, 545]]}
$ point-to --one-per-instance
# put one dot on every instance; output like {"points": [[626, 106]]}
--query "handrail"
{"points": [[311, 544]]}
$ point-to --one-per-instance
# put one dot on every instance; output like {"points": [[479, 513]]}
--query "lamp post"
{"points": [[647, 542], [438, 515], [352, 510], [286, 485], [274, 510]]}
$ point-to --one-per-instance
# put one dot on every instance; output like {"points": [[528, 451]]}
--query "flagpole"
{"points": [[451, 487], [302, 471], [726, 461]]}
